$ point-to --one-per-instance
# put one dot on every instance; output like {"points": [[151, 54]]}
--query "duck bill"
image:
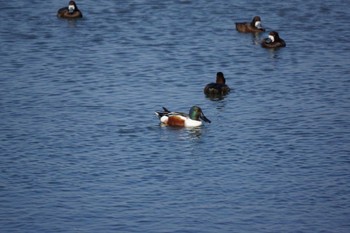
{"points": [[204, 118]]}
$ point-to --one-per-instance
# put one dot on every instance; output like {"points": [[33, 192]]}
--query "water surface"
{"points": [[81, 148]]}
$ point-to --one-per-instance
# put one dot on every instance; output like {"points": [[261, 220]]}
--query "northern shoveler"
{"points": [[70, 12], [193, 119], [273, 41], [218, 88], [254, 26]]}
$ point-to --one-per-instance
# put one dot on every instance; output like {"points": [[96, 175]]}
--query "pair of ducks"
{"points": [[195, 116], [273, 40]]}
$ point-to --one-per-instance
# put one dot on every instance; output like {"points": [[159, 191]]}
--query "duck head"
{"points": [[72, 6], [273, 36], [196, 114], [220, 79], [256, 22]]}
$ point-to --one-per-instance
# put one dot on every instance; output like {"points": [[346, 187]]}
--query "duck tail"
{"points": [[166, 110], [160, 114]]}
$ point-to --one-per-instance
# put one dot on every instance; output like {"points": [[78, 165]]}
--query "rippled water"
{"points": [[81, 148]]}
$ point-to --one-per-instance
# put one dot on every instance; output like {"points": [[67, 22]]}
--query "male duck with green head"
{"points": [[179, 119]]}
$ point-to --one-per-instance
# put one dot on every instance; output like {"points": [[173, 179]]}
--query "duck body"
{"points": [[218, 88], [179, 119], [253, 26], [273, 41], [70, 12]]}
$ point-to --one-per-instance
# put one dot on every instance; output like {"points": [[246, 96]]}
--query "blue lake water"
{"points": [[81, 147]]}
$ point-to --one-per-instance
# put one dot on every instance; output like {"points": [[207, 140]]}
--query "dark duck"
{"points": [[219, 88], [273, 41], [253, 26], [70, 12]]}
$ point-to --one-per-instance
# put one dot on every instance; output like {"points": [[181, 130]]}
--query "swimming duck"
{"points": [[273, 41], [193, 119], [253, 26], [217, 88], [70, 12]]}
